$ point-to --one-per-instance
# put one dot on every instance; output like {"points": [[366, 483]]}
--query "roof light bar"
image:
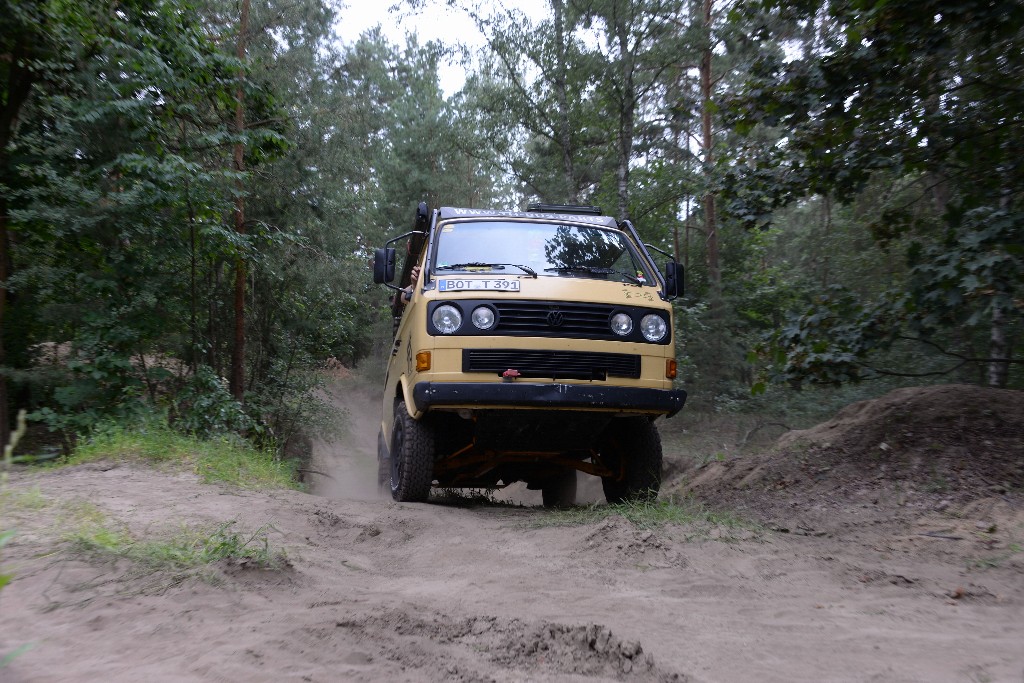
{"points": [[564, 208]]}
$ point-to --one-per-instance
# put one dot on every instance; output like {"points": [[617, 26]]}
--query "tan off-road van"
{"points": [[534, 345]]}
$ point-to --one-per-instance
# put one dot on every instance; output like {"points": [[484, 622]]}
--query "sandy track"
{"points": [[380, 591]]}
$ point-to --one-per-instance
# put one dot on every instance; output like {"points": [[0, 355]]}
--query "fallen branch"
{"points": [[322, 474], [757, 428]]}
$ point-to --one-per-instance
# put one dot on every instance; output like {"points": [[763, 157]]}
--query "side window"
{"points": [[407, 282]]}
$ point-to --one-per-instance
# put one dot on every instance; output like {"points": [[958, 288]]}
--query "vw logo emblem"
{"points": [[555, 318]]}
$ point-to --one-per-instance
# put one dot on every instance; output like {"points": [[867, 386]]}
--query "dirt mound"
{"points": [[617, 542], [957, 438], [974, 432], [926, 448], [523, 647]]}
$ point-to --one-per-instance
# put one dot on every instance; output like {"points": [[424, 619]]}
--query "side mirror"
{"points": [[422, 217], [383, 265], [673, 280]]}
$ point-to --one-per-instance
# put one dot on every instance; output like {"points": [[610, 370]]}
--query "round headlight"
{"points": [[482, 317], [653, 327], [622, 324], [447, 319]]}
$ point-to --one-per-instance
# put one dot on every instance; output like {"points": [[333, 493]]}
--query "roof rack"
{"points": [[564, 208]]}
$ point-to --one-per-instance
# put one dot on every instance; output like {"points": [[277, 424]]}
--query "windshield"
{"points": [[547, 249]]}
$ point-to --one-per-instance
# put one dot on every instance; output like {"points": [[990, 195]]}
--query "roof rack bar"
{"points": [[564, 208]]}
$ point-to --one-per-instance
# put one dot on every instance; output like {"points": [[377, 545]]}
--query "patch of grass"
{"points": [[937, 484], [995, 561], [99, 540], [11, 656], [18, 501], [76, 514], [229, 461], [647, 515], [181, 554], [220, 459], [5, 578], [713, 457]]}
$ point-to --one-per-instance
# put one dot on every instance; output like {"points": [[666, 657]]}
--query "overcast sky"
{"points": [[436, 22]]}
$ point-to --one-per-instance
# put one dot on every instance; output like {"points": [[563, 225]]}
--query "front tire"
{"points": [[632, 450], [383, 465], [412, 457]]}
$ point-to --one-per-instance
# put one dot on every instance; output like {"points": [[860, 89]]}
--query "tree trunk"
{"points": [[627, 114], [675, 153], [563, 132], [714, 270], [998, 351], [238, 350], [193, 354], [18, 86], [5, 426], [826, 207], [686, 244]]}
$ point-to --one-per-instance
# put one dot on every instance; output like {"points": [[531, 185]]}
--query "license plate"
{"points": [[449, 285]]}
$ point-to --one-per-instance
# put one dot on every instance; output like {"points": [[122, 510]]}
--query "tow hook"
{"points": [[509, 375]]}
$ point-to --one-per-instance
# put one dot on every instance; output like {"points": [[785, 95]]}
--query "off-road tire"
{"points": [[383, 466], [632, 449], [560, 490], [412, 457]]}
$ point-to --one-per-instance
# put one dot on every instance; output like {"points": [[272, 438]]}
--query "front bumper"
{"points": [[554, 395]]}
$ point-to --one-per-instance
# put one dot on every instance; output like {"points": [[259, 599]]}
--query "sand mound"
{"points": [[915, 448], [957, 437], [617, 542]]}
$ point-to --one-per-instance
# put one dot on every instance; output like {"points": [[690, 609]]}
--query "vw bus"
{"points": [[531, 346]]}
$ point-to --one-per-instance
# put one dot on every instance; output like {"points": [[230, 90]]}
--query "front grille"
{"points": [[552, 364], [539, 319]]}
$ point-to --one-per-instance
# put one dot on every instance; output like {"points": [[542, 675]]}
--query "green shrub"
{"points": [[225, 458], [205, 407]]}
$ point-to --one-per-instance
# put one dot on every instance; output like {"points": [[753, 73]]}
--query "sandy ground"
{"points": [[379, 591]]}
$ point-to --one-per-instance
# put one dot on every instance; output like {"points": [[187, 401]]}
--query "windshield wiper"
{"points": [[480, 264], [596, 270]]}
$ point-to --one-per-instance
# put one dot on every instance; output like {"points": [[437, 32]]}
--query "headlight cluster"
{"points": [[652, 326], [629, 325], [447, 319]]}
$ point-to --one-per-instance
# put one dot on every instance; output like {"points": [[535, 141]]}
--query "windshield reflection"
{"points": [[550, 249]]}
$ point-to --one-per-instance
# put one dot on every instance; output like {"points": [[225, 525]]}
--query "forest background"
{"points": [[190, 192]]}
